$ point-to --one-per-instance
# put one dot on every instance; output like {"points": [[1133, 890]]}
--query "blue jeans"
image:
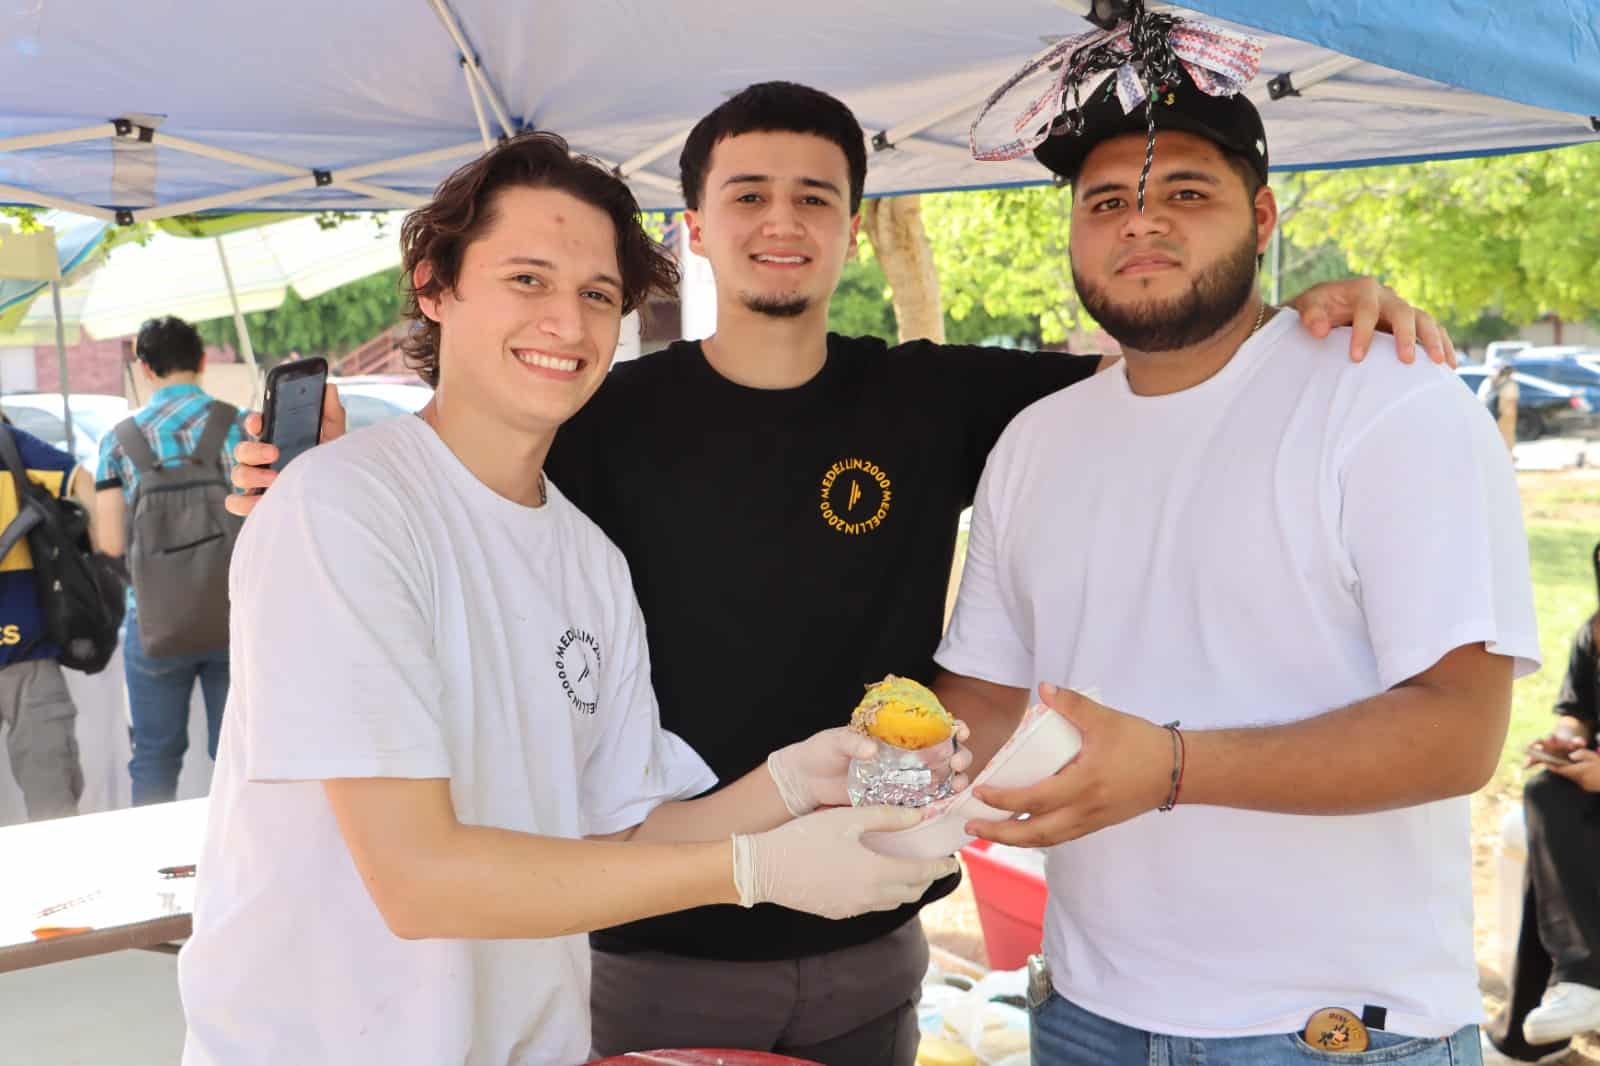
{"points": [[159, 688], [1067, 1035]]}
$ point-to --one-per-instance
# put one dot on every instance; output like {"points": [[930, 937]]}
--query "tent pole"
{"points": [[1277, 265], [390, 198], [651, 154], [643, 177], [61, 362], [477, 106], [50, 140], [20, 195], [1315, 74], [239, 327], [474, 68]]}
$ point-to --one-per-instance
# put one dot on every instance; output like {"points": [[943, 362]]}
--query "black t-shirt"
{"points": [[788, 547], [1580, 689]]}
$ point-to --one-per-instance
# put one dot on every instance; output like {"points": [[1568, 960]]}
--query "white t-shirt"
{"points": [[394, 617], [1293, 535]]}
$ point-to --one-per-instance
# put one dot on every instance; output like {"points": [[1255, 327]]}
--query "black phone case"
{"points": [[277, 377]]}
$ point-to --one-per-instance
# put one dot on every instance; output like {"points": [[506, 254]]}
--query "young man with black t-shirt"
{"points": [[788, 501]]}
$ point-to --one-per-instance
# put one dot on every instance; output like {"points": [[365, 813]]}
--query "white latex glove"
{"points": [[818, 864], [814, 772]]}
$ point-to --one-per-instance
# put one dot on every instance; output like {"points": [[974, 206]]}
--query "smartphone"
{"points": [[291, 411], [1549, 757]]}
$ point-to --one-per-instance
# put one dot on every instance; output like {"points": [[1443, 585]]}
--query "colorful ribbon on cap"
{"points": [[1143, 55]]}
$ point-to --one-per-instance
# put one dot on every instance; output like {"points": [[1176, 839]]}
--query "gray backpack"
{"points": [[180, 539]]}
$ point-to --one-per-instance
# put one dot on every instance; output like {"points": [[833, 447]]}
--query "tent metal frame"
{"points": [[495, 122]]}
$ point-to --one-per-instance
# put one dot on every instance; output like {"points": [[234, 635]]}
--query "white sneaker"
{"points": [[1566, 1010], [1493, 1056]]}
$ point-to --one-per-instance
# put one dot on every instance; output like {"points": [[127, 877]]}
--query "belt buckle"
{"points": [[1336, 1029], [1039, 984]]}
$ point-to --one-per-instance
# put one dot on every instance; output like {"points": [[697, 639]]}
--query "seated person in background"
{"points": [[1555, 980]]}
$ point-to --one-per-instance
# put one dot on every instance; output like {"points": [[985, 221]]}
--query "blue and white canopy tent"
{"points": [[190, 107], [48, 258]]}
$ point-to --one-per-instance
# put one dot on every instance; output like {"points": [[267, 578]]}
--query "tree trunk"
{"points": [[894, 225]]}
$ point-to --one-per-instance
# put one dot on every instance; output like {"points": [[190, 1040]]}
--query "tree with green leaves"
{"points": [[1002, 255], [1515, 236], [862, 306], [330, 324]]}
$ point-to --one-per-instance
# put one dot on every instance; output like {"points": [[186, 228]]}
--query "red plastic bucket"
{"points": [[701, 1057], [1010, 907]]}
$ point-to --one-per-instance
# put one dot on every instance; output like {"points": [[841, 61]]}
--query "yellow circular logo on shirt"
{"points": [[855, 496]]}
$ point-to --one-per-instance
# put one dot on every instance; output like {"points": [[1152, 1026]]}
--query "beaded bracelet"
{"points": [[1180, 755]]}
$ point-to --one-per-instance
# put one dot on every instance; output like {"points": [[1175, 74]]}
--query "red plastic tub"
{"points": [[1010, 907], [701, 1057]]}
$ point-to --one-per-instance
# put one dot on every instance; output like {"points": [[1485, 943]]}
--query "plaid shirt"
{"points": [[172, 422]]}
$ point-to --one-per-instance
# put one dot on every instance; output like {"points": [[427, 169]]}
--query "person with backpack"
{"points": [[162, 483], [36, 710]]}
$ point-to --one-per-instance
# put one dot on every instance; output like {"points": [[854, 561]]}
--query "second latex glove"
{"points": [[815, 772], [818, 864]]}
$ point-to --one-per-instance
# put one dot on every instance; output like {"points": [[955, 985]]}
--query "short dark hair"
{"points": [[169, 345], [462, 207], [774, 107]]}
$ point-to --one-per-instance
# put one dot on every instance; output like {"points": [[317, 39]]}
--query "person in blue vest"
{"points": [[171, 357], [36, 710]]}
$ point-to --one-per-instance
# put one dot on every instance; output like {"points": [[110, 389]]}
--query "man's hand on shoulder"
{"points": [[252, 459], [1366, 305]]}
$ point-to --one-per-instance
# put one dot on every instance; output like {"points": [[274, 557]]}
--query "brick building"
{"points": [[92, 366]]}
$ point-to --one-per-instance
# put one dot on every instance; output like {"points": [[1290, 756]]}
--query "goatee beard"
{"points": [[777, 306], [1216, 295]]}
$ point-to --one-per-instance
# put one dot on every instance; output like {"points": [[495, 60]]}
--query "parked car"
{"points": [[1498, 350], [1555, 351], [374, 398], [1544, 408], [93, 415], [1570, 371]]}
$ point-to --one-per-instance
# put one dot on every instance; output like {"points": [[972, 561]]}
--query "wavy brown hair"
{"points": [[463, 207]]}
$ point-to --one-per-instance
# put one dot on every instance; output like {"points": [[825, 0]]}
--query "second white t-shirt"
{"points": [[1293, 535], [394, 617]]}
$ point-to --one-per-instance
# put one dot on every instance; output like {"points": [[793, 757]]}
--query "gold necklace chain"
{"points": [[1261, 316]]}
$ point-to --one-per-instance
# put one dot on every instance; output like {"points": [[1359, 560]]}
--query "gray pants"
{"points": [[39, 718], [854, 1007]]}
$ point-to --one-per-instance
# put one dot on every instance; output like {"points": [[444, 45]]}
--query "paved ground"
{"points": [[110, 1010], [1557, 453]]}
